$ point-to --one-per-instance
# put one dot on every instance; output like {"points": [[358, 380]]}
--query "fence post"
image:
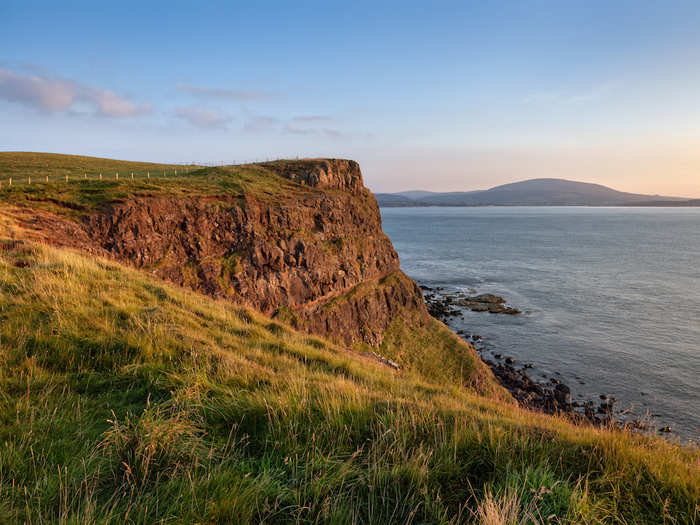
{"points": [[132, 175], [10, 181], [116, 175], [100, 175], [29, 179], [47, 178], [66, 178], [148, 174]]}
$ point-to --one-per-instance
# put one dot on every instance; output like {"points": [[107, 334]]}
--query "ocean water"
{"points": [[611, 296]]}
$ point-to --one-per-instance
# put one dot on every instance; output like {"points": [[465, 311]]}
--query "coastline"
{"points": [[549, 395]]}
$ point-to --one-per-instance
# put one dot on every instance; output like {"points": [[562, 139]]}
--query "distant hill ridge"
{"points": [[534, 192]]}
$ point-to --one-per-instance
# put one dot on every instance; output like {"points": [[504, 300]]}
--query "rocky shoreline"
{"points": [[549, 395], [445, 304]]}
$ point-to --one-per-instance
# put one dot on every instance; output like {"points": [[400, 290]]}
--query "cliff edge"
{"points": [[290, 254], [298, 240]]}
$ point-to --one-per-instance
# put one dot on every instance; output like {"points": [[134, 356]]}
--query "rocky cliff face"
{"points": [[317, 257], [338, 174]]}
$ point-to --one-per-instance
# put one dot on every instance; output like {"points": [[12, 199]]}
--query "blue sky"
{"points": [[440, 95]]}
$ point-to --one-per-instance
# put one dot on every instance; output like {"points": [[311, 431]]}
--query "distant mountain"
{"points": [[415, 194], [395, 200], [535, 192]]}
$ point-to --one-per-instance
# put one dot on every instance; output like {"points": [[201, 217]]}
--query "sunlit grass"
{"points": [[124, 399], [39, 181]]}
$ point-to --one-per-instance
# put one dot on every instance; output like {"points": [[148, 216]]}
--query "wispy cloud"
{"points": [[332, 133], [261, 123], [203, 117], [39, 92], [563, 98], [52, 94], [299, 125], [230, 94], [255, 122], [294, 129], [312, 118], [109, 104]]}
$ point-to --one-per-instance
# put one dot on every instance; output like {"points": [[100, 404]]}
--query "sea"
{"points": [[610, 296]]}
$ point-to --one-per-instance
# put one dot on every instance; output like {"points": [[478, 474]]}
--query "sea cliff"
{"points": [[300, 252], [183, 348]]}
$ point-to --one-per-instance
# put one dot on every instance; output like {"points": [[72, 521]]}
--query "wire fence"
{"points": [[67, 178], [241, 162], [10, 181]]}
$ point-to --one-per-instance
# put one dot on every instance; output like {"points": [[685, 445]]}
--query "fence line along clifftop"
{"points": [[36, 175], [14, 181]]}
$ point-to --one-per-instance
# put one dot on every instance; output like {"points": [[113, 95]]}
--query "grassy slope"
{"points": [[80, 196], [123, 399], [20, 164], [419, 342]]}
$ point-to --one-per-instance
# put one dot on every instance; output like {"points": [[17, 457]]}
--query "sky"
{"points": [[438, 96]]}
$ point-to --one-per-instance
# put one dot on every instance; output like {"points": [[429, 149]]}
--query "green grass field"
{"points": [[84, 192], [22, 165], [126, 400]]}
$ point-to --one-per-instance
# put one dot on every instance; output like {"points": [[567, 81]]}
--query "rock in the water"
{"points": [[488, 298], [481, 303]]}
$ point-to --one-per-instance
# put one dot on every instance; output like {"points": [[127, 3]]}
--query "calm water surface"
{"points": [[611, 295]]}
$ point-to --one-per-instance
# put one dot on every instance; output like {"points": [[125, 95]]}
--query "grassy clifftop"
{"points": [[126, 400], [84, 191]]}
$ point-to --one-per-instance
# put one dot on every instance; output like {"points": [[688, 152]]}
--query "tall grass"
{"points": [[125, 400]]}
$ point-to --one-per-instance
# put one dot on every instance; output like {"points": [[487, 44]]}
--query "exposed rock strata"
{"points": [[337, 174], [318, 257]]}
